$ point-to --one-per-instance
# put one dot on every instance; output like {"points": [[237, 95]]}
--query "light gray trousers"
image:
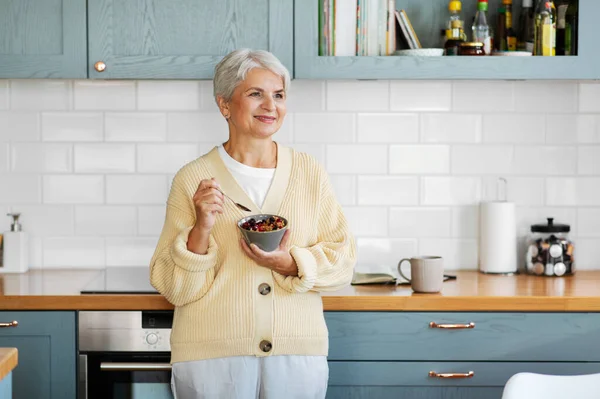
{"points": [[249, 377]]}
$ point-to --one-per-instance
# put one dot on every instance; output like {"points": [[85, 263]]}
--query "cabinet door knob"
{"points": [[9, 324], [433, 324], [470, 374], [99, 66]]}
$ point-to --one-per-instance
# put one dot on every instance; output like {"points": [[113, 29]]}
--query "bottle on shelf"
{"points": [[526, 27], [482, 32], [455, 33], [545, 29], [561, 28], [511, 35], [572, 19], [501, 30]]}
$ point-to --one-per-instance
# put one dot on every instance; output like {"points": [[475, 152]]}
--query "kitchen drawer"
{"points": [[416, 374], [496, 336]]}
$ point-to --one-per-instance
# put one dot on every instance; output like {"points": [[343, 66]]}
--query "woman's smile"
{"points": [[266, 119]]}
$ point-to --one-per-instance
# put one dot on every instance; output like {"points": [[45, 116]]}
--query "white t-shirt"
{"points": [[254, 181]]}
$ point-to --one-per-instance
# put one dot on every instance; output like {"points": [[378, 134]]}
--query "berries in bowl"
{"points": [[264, 230]]}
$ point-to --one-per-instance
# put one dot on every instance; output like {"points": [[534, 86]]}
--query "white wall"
{"points": [[89, 163]]}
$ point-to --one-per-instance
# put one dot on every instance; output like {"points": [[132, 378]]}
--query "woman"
{"points": [[249, 323]]}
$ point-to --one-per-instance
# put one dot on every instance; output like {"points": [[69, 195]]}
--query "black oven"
{"points": [[125, 355]]}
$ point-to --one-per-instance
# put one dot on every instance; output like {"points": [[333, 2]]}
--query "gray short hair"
{"points": [[234, 67]]}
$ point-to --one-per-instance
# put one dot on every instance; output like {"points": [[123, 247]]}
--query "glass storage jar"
{"points": [[550, 251]]}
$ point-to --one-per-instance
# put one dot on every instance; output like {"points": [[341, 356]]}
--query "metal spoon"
{"points": [[242, 207]]}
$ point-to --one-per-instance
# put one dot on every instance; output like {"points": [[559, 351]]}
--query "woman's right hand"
{"points": [[208, 201]]}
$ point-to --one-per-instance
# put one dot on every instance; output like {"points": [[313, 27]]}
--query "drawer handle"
{"points": [[9, 324], [433, 324], [470, 374]]}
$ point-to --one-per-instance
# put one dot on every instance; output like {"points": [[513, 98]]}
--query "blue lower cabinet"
{"points": [[6, 387], [46, 342]]}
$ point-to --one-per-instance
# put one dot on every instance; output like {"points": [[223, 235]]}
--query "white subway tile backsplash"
{"points": [[483, 96], [4, 156], [324, 128], [46, 220], [109, 95], [73, 189], [450, 190], [367, 221], [562, 96], [360, 159], [76, 252], [168, 95], [388, 190], [41, 158], [4, 221], [572, 129], [415, 159], [129, 251], [420, 95], [136, 189], [572, 191], [4, 94], [135, 126], [589, 97], [420, 222], [104, 158], [588, 160], [451, 128], [72, 126], [520, 190], [540, 160], [208, 127], [482, 159], [358, 95], [384, 252], [586, 254], [30, 94], [457, 253], [105, 220], [306, 96], [20, 189], [19, 126], [513, 128], [388, 128], [151, 219], [344, 188], [90, 163], [164, 158], [588, 220], [465, 221]]}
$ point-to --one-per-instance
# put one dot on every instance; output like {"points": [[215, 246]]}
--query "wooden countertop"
{"points": [[8, 361], [471, 291]]}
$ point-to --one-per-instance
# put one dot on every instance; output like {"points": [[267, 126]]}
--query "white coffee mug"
{"points": [[427, 273]]}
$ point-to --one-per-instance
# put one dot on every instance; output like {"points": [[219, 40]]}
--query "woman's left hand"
{"points": [[279, 260]]}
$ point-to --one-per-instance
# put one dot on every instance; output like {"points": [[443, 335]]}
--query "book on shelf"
{"points": [[408, 33]]}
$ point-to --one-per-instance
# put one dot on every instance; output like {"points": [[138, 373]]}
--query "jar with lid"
{"points": [[550, 251], [471, 48]]}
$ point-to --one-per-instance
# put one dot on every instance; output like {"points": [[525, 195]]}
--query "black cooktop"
{"points": [[121, 280]]}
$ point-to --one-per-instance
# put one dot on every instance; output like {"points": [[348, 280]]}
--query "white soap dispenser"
{"points": [[16, 248]]}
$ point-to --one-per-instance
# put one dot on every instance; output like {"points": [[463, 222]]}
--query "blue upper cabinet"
{"points": [[182, 39], [428, 18], [43, 39]]}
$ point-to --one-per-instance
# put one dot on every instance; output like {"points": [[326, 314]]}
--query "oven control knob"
{"points": [[152, 339]]}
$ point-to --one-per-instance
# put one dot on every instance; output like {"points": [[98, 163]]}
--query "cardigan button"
{"points": [[264, 289], [265, 346]]}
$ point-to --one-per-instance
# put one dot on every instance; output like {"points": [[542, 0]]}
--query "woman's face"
{"points": [[257, 106]]}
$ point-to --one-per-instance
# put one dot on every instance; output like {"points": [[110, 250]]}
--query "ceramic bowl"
{"points": [[421, 52], [268, 241]]}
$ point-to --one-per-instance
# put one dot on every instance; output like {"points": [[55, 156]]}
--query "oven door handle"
{"points": [[113, 366]]}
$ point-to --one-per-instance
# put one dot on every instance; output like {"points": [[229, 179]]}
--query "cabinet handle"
{"points": [[433, 324], [9, 324], [99, 66], [470, 374]]}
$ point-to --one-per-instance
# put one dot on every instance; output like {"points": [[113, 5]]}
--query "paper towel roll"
{"points": [[497, 237]]}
